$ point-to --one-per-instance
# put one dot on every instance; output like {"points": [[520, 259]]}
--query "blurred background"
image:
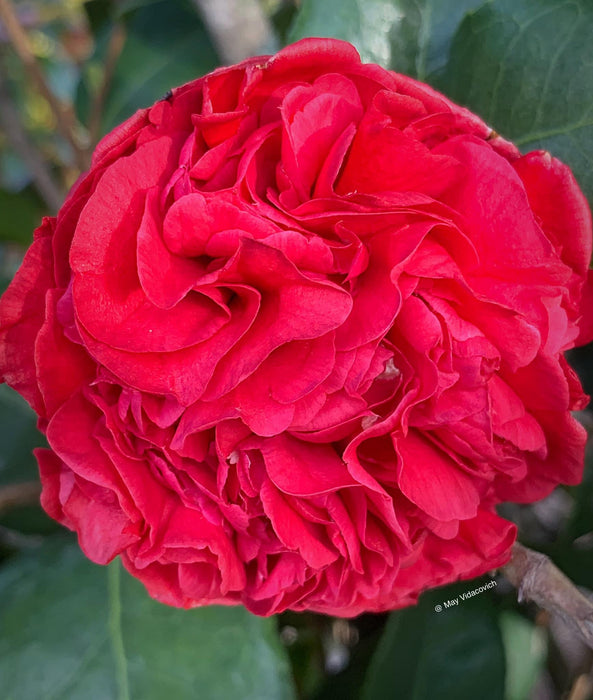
{"points": [[69, 72]]}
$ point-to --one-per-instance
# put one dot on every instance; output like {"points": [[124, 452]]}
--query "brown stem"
{"points": [[582, 688], [64, 114], [538, 579], [23, 494], [114, 49]]}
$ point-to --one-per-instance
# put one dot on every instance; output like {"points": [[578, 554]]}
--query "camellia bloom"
{"points": [[295, 335]]}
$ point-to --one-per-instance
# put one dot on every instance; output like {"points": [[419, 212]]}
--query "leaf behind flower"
{"points": [[449, 653], [71, 629], [527, 68], [524, 66]]}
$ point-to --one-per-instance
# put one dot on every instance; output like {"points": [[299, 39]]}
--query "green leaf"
{"points": [[574, 560], [526, 67], [348, 683], [580, 523], [525, 651], [72, 630], [99, 13], [18, 437], [367, 24], [421, 42], [409, 36], [166, 46], [21, 214], [455, 653], [124, 7]]}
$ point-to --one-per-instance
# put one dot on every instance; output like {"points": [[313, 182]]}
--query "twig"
{"points": [[114, 49], [23, 494], [17, 540], [64, 114], [11, 124], [582, 688], [239, 28], [538, 579]]}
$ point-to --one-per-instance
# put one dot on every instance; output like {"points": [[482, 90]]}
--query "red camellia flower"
{"points": [[295, 335]]}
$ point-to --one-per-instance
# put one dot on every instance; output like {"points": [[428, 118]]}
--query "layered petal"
{"points": [[297, 333]]}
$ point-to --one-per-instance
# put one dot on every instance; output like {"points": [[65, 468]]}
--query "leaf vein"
{"points": [[549, 133], [425, 15], [522, 28], [551, 66], [90, 654]]}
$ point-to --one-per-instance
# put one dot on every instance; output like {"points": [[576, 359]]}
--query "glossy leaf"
{"points": [[421, 41], [580, 524], [368, 24], [166, 45], [575, 560], [18, 437], [71, 629], [455, 653], [21, 213], [526, 67], [525, 651], [409, 36]]}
